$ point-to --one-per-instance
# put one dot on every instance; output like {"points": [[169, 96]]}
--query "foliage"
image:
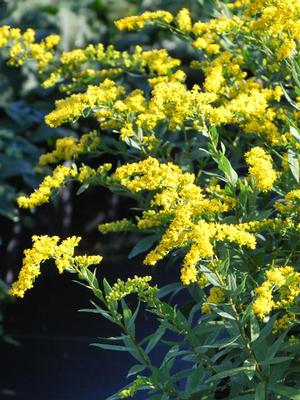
{"points": [[209, 150]]}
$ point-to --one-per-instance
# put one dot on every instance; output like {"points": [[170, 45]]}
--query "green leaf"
{"points": [[11, 166], [276, 345], [156, 336], [113, 347], [98, 310], [106, 286], [294, 131], [135, 369], [251, 365], [214, 136], [171, 288], [267, 329], [131, 321], [224, 314], [143, 245], [228, 373], [127, 314], [294, 164], [211, 276], [254, 327], [289, 392], [276, 360], [246, 314], [195, 379], [83, 187], [225, 166], [260, 391]]}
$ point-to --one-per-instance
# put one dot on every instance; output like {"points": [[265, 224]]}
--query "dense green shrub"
{"points": [[208, 148]]}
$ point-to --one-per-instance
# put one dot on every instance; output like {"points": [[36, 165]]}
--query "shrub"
{"points": [[209, 150]]}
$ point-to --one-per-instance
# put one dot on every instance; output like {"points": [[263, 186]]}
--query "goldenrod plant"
{"points": [[209, 150]]}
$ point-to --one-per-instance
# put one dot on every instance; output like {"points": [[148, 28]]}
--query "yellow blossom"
{"points": [[216, 296], [43, 249], [138, 22], [261, 168], [42, 194], [184, 20]]}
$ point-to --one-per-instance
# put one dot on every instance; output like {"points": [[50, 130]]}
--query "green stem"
{"points": [[143, 356], [201, 358], [259, 370], [264, 378]]}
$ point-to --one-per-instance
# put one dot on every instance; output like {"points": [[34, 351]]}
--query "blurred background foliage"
{"points": [[23, 105]]}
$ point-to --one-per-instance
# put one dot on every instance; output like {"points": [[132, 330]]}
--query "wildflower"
{"points": [[42, 194], [74, 106], [124, 225], [290, 204], [45, 248], [183, 20], [261, 168], [216, 296], [137, 285], [279, 291], [138, 22], [66, 148], [139, 382]]}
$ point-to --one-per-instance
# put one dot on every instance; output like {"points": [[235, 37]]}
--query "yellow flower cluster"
{"points": [[230, 97], [272, 225], [124, 225], [214, 190], [42, 194], [216, 296], [207, 35], [86, 172], [278, 19], [137, 285], [139, 22], [139, 382], [43, 249], [281, 324], [96, 63], [261, 168], [291, 203], [158, 61], [74, 106], [69, 147], [24, 47], [184, 20], [181, 205], [279, 291]]}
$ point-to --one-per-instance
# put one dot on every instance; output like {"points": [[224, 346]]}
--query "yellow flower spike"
{"points": [[138, 284], [291, 202], [74, 106], [123, 225], [68, 147], [85, 172], [64, 252], [4, 35], [283, 323], [138, 22], [29, 35], [261, 168], [216, 296], [45, 248], [42, 194], [42, 249], [184, 20], [278, 291]]}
